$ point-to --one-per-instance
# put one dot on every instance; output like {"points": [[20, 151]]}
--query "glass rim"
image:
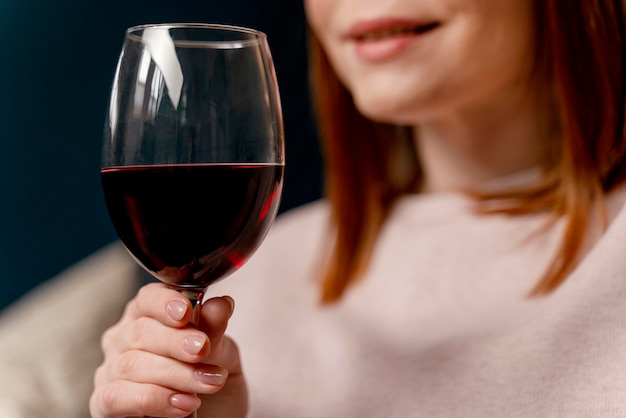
{"points": [[259, 37]]}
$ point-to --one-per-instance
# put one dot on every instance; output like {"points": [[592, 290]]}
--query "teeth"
{"points": [[374, 36], [387, 33]]}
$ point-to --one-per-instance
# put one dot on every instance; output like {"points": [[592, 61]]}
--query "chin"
{"points": [[407, 104], [387, 110]]}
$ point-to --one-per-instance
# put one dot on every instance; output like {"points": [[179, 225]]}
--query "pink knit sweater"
{"points": [[440, 326]]}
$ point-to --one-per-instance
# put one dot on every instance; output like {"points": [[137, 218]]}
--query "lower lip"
{"points": [[386, 48]]}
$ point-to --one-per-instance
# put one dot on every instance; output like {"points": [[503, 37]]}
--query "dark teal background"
{"points": [[57, 60]]}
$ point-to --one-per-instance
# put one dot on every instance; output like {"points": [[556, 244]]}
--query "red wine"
{"points": [[192, 224]]}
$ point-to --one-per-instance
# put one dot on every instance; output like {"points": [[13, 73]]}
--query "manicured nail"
{"points": [[185, 402], [214, 376], [176, 310], [193, 344]]}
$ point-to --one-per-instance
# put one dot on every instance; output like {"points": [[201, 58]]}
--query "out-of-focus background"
{"points": [[56, 67]]}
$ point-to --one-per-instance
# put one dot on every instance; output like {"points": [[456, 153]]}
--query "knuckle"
{"points": [[138, 332], [107, 399], [107, 340], [145, 401], [144, 292], [113, 400], [94, 405], [130, 308], [143, 299], [126, 365], [99, 376]]}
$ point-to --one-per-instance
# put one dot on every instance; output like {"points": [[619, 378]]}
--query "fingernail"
{"points": [[212, 376], [185, 402], [176, 310], [193, 344]]}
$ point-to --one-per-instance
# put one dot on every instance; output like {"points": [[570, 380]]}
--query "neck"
{"points": [[479, 145]]}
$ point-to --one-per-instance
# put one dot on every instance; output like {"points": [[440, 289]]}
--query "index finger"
{"points": [[156, 300]]}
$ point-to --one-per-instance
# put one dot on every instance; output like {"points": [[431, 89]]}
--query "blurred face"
{"points": [[409, 61]]}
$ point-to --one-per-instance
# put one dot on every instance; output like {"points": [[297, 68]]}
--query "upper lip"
{"points": [[372, 27]]}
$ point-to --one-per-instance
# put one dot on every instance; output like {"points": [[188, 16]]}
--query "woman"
{"points": [[475, 265]]}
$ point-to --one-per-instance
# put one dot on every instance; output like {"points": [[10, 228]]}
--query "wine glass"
{"points": [[193, 154]]}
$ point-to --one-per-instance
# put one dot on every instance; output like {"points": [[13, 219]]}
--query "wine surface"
{"points": [[191, 225]]}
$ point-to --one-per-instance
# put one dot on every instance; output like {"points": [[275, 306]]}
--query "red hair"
{"points": [[580, 60]]}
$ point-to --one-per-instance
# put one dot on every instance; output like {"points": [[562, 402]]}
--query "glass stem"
{"points": [[195, 296]]}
